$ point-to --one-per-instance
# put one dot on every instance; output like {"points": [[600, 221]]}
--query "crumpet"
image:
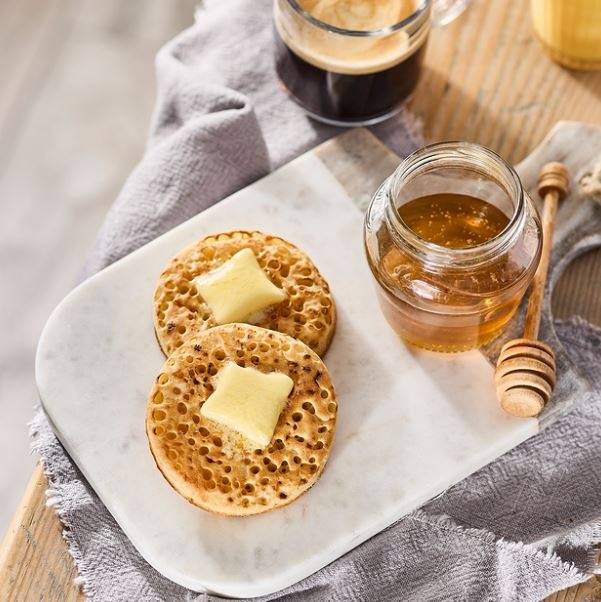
{"points": [[215, 467], [307, 312]]}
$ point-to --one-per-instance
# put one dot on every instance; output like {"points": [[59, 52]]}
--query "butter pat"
{"points": [[248, 402], [238, 288]]}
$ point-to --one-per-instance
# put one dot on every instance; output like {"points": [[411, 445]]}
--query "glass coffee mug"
{"points": [[354, 62]]}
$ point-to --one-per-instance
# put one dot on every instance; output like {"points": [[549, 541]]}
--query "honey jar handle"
{"points": [[553, 185]]}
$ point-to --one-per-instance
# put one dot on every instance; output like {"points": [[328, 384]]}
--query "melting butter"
{"points": [[248, 402], [238, 289]]}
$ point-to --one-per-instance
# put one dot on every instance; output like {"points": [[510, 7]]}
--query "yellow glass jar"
{"points": [[570, 31], [453, 242]]}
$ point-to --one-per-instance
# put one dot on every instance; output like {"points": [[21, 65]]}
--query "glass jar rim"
{"points": [[361, 33], [476, 254]]}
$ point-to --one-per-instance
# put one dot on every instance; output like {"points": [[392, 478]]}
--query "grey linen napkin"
{"points": [[518, 529]]}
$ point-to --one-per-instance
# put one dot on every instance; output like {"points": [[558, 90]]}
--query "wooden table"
{"points": [[486, 80]]}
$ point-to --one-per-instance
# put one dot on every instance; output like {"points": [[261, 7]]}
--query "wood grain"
{"points": [[486, 80], [589, 591], [34, 562], [377, 163]]}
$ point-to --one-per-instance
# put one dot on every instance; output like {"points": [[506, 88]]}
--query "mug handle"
{"points": [[445, 11]]}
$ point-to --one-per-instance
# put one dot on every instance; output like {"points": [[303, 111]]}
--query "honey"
{"points": [[456, 221], [451, 266]]}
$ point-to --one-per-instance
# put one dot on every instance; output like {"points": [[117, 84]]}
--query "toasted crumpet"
{"points": [[212, 466], [308, 313]]}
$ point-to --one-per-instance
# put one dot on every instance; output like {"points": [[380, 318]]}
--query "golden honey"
{"points": [[451, 267], [456, 221]]}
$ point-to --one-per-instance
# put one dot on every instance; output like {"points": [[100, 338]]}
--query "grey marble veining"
{"points": [[411, 423]]}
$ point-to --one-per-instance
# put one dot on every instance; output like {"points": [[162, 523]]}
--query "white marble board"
{"points": [[411, 423]]}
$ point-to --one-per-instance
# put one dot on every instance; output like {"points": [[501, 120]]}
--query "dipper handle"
{"points": [[553, 184]]}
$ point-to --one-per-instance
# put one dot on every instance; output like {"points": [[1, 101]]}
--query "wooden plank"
{"points": [[589, 591], [486, 80], [378, 159], [34, 562]]}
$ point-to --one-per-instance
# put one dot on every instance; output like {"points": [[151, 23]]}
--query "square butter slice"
{"points": [[248, 402], [238, 288]]}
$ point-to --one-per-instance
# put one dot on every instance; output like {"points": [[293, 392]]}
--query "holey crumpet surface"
{"points": [[305, 309], [214, 466]]}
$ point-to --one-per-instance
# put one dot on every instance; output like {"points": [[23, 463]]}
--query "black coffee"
{"points": [[340, 97]]}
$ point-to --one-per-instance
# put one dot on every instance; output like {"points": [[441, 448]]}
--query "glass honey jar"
{"points": [[453, 241]]}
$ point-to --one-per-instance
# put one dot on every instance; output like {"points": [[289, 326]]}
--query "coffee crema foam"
{"points": [[359, 15], [350, 54]]}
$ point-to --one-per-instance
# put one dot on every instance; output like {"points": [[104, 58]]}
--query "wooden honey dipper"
{"points": [[525, 374]]}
